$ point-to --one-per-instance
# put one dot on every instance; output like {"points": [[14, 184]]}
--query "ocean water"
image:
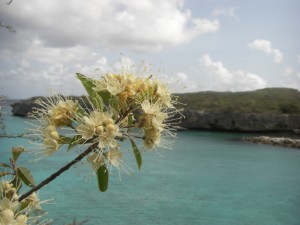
{"points": [[208, 178]]}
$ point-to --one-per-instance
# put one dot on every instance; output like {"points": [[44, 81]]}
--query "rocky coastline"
{"points": [[215, 121], [240, 122], [201, 120], [24, 107], [277, 141]]}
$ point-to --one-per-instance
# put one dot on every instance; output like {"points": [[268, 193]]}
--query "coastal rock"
{"points": [[24, 107], [222, 121], [280, 141], [235, 121]]}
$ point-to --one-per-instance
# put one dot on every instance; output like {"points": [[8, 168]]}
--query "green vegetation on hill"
{"points": [[268, 100]]}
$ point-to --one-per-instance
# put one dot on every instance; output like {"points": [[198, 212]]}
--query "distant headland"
{"points": [[269, 109]]}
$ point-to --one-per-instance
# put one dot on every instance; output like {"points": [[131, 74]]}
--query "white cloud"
{"points": [[40, 67], [181, 82], [223, 79], [147, 25], [203, 26], [230, 12], [291, 78], [181, 76], [299, 59], [266, 47]]}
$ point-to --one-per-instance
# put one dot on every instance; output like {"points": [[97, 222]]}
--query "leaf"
{"points": [[2, 174], [97, 100], [25, 175], [88, 84], [130, 119], [137, 154], [75, 141], [105, 95], [64, 140], [16, 152], [102, 176], [71, 141], [5, 165]]}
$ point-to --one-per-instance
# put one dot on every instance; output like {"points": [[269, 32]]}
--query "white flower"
{"points": [[6, 203], [153, 117], [114, 157], [59, 111], [96, 159], [116, 83], [62, 113], [100, 127], [50, 138], [7, 217], [161, 92], [86, 130], [33, 201], [21, 220], [112, 83]]}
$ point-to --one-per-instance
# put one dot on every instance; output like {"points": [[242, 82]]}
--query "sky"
{"points": [[194, 45]]}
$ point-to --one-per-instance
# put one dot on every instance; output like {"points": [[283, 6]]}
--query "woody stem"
{"points": [[57, 173]]}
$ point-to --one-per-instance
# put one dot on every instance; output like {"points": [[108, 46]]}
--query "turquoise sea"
{"points": [[208, 178]]}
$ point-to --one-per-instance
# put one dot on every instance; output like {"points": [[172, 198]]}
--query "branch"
{"points": [[60, 171]]}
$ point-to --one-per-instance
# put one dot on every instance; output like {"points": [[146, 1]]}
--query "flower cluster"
{"points": [[119, 107], [16, 209], [13, 212]]}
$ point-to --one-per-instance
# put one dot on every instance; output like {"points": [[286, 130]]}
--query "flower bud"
{"points": [[6, 185], [108, 121], [21, 219], [110, 128], [7, 216], [99, 129], [54, 135]]}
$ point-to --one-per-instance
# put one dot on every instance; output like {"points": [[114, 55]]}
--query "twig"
{"points": [[60, 171]]}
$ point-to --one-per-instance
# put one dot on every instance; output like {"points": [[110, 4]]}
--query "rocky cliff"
{"points": [[24, 107], [223, 121], [235, 121]]}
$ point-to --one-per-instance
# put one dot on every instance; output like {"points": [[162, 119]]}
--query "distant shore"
{"points": [[277, 141], [265, 110]]}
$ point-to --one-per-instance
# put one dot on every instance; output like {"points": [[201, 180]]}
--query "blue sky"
{"points": [[219, 45]]}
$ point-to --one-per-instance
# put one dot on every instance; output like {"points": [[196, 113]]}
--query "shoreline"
{"points": [[275, 141]]}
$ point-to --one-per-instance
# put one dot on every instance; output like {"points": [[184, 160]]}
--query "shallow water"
{"points": [[208, 178]]}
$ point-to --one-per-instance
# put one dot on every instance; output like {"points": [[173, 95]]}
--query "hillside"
{"points": [[270, 109], [268, 100]]}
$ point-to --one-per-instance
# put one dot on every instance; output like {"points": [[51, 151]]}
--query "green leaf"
{"points": [[130, 119], [25, 175], [88, 84], [5, 165], [64, 140], [16, 152], [75, 141], [105, 95], [137, 154], [97, 100], [71, 141], [102, 176], [2, 174]]}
